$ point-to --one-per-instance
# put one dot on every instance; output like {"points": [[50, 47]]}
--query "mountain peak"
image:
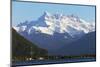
{"points": [[60, 23], [24, 23], [46, 13], [74, 16]]}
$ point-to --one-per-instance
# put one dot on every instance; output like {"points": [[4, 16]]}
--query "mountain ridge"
{"points": [[49, 24]]}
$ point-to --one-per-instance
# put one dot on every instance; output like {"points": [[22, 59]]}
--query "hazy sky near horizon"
{"points": [[28, 11]]}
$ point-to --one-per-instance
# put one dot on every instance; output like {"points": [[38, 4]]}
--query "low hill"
{"points": [[22, 48]]}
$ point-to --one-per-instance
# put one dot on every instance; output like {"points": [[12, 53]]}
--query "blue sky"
{"points": [[22, 11]]}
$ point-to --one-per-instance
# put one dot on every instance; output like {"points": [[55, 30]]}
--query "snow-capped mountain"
{"points": [[49, 24], [54, 31]]}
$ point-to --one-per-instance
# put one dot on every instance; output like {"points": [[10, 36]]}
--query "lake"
{"points": [[41, 62]]}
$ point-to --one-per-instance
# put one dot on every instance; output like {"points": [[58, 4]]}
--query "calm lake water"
{"points": [[38, 62]]}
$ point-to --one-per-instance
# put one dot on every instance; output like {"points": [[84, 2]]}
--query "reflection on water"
{"points": [[41, 61]]}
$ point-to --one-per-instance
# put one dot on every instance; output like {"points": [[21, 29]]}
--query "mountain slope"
{"points": [[84, 45], [21, 47]]}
